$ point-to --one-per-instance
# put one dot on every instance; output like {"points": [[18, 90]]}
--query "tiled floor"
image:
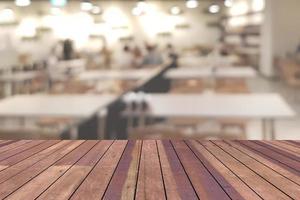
{"points": [[285, 129]]}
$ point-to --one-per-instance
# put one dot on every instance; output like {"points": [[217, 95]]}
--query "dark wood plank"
{"points": [[9, 171], [295, 142], [292, 143], [95, 184], [280, 182], [292, 164], [232, 180], [62, 175], [20, 179], [263, 188], [284, 147], [12, 145], [25, 154], [177, 184], [205, 185], [20, 149], [150, 183], [279, 151], [268, 162], [149, 169], [124, 179], [6, 142]]}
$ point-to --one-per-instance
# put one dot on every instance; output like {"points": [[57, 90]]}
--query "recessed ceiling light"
{"points": [[137, 11], [22, 3], [96, 10], [58, 3], [214, 8], [191, 3], [175, 10], [86, 6], [142, 4], [228, 3]]}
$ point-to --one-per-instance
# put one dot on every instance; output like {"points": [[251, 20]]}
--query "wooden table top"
{"points": [[149, 169]]}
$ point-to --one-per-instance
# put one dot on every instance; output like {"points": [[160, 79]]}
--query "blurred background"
{"points": [[149, 69]]}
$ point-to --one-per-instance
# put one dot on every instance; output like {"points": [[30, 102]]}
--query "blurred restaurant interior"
{"points": [[150, 69]]}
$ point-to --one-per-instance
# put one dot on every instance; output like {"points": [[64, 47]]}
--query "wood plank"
{"points": [[10, 171], [150, 183], [92, 187], [177, 184], [205, 185], [20, 179], [62, 175], [263, 188], [295, 142], [284, 147], [6, 142], [11, 145], [25, 154], [280, 182], [292, 164], [20, 149], [150, 169], [268, 162], [233, 180], [291, 143], [279, 151], [124, 179]]}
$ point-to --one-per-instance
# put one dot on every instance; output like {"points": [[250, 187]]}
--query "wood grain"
{"points": [[149, 169]]}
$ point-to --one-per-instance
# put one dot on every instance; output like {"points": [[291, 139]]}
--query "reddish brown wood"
{"points": [[205, 185], [267, 162], [279, 181], [95, 184], [20, 179], [149, 169], [150, 183], [263, 188], [177, 183], [17, 168], [287, 162], [125, 178]]}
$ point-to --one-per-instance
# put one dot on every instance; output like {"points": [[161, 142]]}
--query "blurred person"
{"points": [[170, 52], [153, 57], [124, 59], [106, 54], [137, 57], [298, 54], [68, 50]]}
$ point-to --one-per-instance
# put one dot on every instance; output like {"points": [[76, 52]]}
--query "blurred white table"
{"points": [[204, 61], [211, 72], [266, 107], [128, 74], [75, 106]]}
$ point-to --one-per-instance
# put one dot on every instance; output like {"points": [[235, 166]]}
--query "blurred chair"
{"points": [[53, 124], [70, 87], [231, 86], [187, 86], [191, 129], [235, 86], [290, 71]]}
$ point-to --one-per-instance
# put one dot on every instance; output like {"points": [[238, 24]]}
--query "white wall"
{"points": [[281, 32], [77, 26]]}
